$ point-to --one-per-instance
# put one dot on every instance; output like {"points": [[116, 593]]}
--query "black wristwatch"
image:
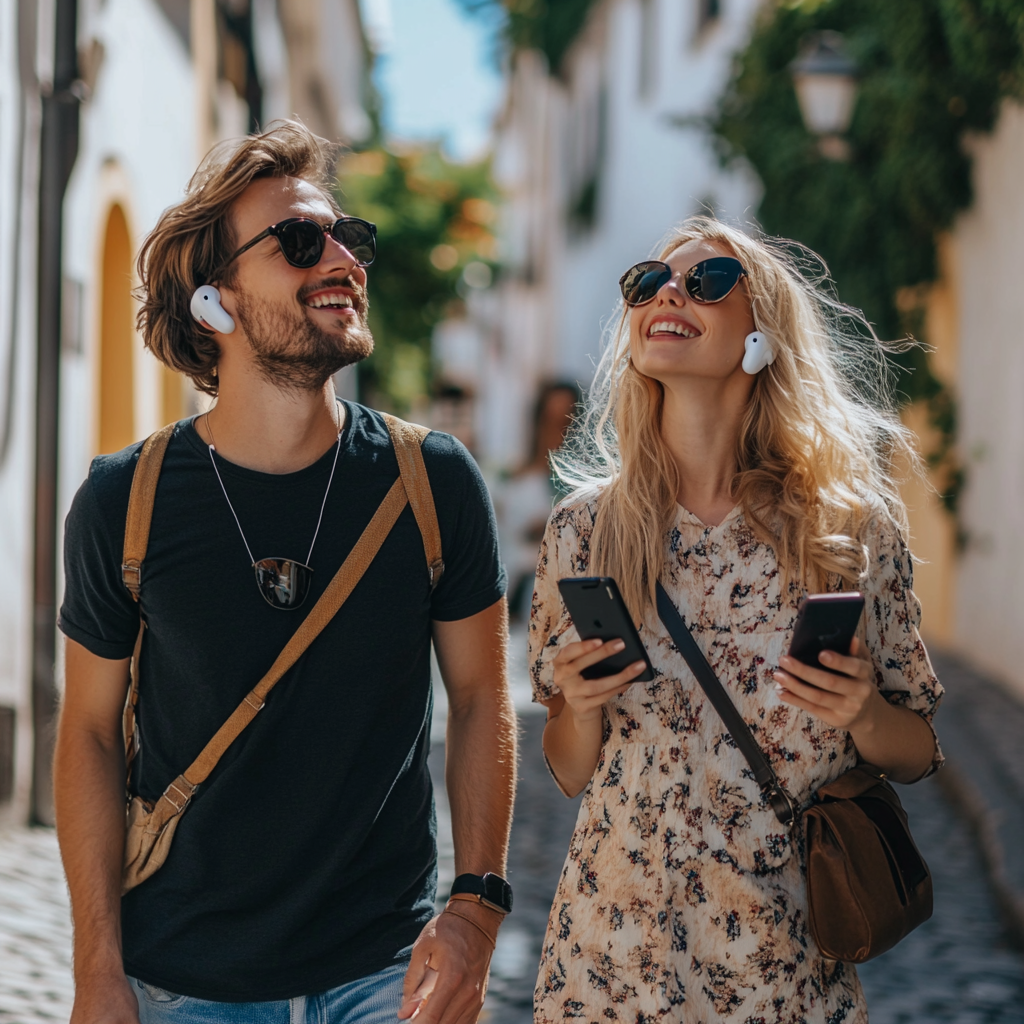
{"points": [[492, 890]]}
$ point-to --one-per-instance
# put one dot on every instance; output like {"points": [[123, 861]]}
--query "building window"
{"points": [[708, 11], [584, 159]]}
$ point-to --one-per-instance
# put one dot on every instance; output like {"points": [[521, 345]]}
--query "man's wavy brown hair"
{"points": [[195, 238]]}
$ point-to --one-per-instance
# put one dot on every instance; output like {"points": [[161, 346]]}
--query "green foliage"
{"points": [[929, 71], [546, 25], [433, 217]]}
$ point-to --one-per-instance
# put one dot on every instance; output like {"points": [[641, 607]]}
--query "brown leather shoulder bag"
{"points": [[151, 825], [867, 884]]}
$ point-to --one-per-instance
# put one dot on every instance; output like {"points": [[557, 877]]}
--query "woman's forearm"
{"points": [[571, 746], [895, 739]]}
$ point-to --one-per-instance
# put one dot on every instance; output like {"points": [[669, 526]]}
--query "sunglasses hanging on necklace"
{"points": [[283, 582]]}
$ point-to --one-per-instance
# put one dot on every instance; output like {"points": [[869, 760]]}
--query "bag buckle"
{"points": [[252, 702], [179, 793], [781, 802], [435, 570], [131, 577]]}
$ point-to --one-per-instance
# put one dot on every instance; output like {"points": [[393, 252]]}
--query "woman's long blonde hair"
{"points": [[816, 448]]}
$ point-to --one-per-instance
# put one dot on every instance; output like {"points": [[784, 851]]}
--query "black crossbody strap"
{"points": [[765, 776]]}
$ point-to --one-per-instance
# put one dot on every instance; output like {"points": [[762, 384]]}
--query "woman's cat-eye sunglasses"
{"points": [[302, 240], [709, 281]]}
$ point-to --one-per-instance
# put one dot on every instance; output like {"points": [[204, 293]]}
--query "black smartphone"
{"points": [[598, 612], [826, 622]]}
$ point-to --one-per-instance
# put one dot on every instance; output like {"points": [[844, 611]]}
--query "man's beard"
{"points": [[292, 351]]}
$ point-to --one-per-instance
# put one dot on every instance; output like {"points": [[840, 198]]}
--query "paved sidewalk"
{"points": [[981, 726], [35, 929]]}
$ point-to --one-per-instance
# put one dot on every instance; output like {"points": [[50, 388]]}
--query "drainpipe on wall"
{"points": [[58, 152]]}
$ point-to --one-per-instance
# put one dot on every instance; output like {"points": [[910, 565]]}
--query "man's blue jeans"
{"points": [[374, 999]]}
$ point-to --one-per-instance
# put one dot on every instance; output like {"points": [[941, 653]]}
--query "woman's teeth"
{"points": [[672, 327], [329, 300]]}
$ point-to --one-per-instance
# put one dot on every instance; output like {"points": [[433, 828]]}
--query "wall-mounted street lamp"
{"points": [[825, 78]]}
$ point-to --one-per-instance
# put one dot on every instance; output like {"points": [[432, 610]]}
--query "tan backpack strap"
{"points": [[408, 440], [140, 507]]}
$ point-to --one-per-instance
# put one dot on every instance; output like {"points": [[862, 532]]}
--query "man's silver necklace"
{"points": [[283, 582]]}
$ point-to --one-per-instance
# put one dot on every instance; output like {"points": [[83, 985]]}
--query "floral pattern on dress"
{"points": [[682, 898]]}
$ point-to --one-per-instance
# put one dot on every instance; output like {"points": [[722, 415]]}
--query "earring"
{"points": [[757, 352]]}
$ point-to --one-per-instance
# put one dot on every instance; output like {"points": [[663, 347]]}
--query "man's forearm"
{"points": [[480, 772], [90, 810]]}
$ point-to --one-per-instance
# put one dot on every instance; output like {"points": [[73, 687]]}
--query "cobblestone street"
{"points": [[957, 968]]}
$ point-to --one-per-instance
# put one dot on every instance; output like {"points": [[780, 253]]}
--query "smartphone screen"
{"points": [[598, 612], [827, 622]]}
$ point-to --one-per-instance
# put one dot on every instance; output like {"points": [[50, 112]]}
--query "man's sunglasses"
{"points": [[708, 281], [302, 240]]}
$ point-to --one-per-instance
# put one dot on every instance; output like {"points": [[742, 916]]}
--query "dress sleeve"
{"points": [[563, 552], [903, 670]]}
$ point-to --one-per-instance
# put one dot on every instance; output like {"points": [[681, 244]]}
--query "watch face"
{"points": [[498, 892]]}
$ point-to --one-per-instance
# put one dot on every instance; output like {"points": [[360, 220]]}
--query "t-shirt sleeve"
{"points": [[97, 612], [562, 553], [473, 577], [903, 670]]}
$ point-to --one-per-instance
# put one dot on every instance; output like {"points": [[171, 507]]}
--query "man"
{"points": [[300, 881]]}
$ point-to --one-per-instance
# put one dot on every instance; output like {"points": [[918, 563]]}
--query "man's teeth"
{"points": [[673, 327], [329, 300]]}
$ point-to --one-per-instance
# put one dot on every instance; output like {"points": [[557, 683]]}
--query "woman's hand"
{"points": [[843, 693], [573, 735], [586, 697]]}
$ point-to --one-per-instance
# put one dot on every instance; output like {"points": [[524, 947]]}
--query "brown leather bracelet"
{"points": [[469, 920], [468, 897]]}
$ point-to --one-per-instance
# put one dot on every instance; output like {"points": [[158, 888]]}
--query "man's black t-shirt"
{"points": [[308, 858]]}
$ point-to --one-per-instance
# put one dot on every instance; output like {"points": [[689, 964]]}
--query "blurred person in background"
{"points": [[300, 885], [523, 500], [741, 485]]}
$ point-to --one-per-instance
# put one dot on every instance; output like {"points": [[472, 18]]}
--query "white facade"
{"points": [[20, 115], [989, 254], [138, 148], [597, 164]]}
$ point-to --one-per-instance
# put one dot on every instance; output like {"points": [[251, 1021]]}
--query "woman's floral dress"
{"points": [[682, 898]]}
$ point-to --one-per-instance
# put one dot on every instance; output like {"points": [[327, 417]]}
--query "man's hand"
{"points": [[447, 977], [107, 999]]}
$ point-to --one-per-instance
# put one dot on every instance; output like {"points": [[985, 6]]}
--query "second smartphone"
{"points": [[826, 622]]}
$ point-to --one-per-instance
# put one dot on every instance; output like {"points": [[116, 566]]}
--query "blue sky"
{"points": [[435, 72]]}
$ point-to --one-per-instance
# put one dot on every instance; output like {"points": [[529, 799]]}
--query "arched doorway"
{"points": [[117, 333]]}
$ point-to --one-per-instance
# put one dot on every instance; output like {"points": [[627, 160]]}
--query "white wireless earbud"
{"points": [[757, 352], [207, 309]]}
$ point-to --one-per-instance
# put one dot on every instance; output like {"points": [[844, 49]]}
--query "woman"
{"points": [[523, 501], [742, 479]]}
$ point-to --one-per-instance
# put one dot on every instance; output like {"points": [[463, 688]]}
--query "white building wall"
{"points": [[655, 170], [989, 242], [19, 217], [138, 148], [623, 112]]}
